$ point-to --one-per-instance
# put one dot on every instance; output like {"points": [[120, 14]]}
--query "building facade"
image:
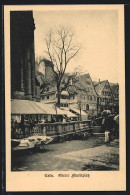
{"points": [[91, 97], [83, 94], [82, 90], [115, 91], [105, 96], [23, 80], [49, 89]]}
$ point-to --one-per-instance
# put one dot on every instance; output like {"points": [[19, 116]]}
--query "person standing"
{"points": [[108, 128], [107, 137]]}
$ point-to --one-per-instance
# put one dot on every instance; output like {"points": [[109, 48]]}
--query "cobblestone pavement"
{"points": [[78, 155], [101, 157]]}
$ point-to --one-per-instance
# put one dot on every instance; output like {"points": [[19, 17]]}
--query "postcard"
{"points": [[65, 98]]}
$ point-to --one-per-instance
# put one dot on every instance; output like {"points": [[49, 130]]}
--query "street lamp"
{"points": [[79, 105], [55, 106]]}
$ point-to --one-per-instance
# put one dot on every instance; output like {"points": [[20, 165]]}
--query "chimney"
{"points": [[99, 81]]}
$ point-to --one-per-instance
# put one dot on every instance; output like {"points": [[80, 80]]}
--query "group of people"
{"points": [[110, 126]]}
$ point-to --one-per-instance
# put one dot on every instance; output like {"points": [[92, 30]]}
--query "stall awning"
{"points": [[68, 113], [78, 111], [50, 109], [26, 107], [31, 107]]}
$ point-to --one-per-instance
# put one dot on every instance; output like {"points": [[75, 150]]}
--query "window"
{"points": [[64, 105], [87, 107], [47, 89], [47, 97], [43, 97], [64, 97]]}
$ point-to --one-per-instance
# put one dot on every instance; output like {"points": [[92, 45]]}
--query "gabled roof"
{"points": [[95, 83], [100, 86], [83, 85]]}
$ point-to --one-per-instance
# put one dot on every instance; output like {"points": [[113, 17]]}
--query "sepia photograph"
{"points": [[65, 90]]}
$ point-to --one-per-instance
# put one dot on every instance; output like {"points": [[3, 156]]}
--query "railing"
{"points": [[51, 129]]}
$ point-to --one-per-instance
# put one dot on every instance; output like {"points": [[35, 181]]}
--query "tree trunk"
{"points": [[58, 98], [58, 95]]}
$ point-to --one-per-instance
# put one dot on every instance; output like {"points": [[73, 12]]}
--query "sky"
{"points": [[95, 30]]}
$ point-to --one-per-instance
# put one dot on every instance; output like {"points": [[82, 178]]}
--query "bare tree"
{"points": [[61, 49]]}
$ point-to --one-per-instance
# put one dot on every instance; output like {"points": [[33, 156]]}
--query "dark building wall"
{"points": [[22, 55]]}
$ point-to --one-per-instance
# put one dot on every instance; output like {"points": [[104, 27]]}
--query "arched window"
{"points": [[87, 107]]}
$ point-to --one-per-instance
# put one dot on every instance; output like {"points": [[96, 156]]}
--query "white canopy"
{"points": [[26, 107]]}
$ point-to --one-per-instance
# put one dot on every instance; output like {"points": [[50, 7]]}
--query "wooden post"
{"points": [[22, 125]]}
